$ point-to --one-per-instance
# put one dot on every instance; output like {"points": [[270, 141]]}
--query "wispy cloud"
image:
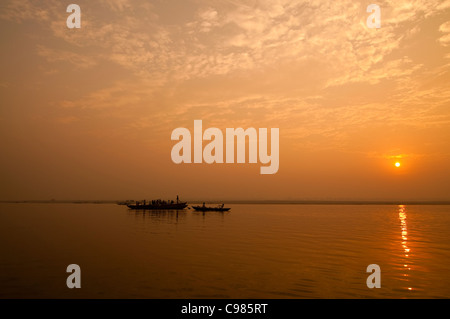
{"points": [[445, 29], [118, 5], [26, 10], [280, 61], [78, 60], [224, 38]]}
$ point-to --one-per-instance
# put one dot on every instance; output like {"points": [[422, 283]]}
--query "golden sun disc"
{"points": [[397, 164]]}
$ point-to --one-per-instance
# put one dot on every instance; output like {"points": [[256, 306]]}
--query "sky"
{"points": [[88, 113]]}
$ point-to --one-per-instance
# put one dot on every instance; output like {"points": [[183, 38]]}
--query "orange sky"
{"points": [[88, 113]]}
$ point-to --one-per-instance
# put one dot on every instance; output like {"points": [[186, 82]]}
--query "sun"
{"points": [[397, 164]]}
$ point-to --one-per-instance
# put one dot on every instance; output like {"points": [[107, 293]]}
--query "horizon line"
{"points": [[249, 201]]}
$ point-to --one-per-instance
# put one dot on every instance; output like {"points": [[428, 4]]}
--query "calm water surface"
{"points": [[253, 251]]}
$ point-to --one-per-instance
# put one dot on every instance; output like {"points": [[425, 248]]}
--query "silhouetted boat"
{"points": [[158, 205], [211, 209]]}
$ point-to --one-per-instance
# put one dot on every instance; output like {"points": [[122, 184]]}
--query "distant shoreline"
{"points": [[244, 202]]}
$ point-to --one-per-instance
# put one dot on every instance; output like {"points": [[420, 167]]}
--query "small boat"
{"points": [[204, 208], [158, 204]]}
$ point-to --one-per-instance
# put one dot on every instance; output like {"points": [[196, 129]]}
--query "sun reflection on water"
{"points": [[402, 216]]}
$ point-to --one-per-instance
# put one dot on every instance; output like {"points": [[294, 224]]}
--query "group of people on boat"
{"points": [[157, 202]]}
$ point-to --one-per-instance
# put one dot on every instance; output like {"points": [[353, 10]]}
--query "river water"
{"points": [[253, 251]]}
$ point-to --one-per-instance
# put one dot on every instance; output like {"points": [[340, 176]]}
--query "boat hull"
{"points": [[210, 209]]}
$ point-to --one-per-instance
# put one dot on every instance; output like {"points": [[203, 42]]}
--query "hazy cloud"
{"points": [[445, 29]]}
